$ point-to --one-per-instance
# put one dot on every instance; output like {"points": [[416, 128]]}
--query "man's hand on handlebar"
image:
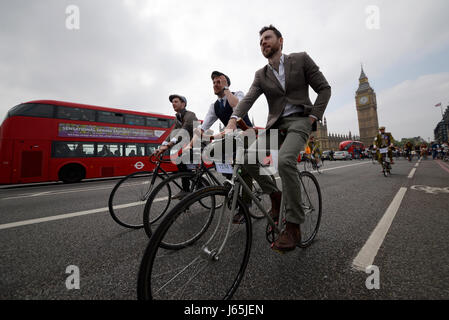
{"points": [[232, 125], [160, 151]]}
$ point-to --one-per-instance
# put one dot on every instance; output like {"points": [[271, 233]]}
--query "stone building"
{"points": [[330, 141], [441, 131]]}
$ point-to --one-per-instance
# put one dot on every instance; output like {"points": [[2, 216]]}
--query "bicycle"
{"points": [[408, 155], [128, 197], [386, 165], [209, 241], [184, 183], [373, 157], [311, 164]]}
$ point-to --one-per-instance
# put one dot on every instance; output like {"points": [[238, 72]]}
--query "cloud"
{"points": [[133, 54]]}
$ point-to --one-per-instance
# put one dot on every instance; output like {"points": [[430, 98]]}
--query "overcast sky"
{"points": [[133, 54]]}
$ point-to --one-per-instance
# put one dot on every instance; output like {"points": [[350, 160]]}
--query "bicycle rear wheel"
{"points": [[128, 197], [317, 166], [312, 205], [207, 267]]}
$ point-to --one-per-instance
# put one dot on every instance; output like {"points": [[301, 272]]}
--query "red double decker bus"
{"points": [[355, 148], [48, 140]]}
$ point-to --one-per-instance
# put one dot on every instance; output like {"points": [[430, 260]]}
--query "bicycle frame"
{"points": [[236, 183]]}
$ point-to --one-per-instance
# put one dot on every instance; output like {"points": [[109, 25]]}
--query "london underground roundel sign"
{"points": [[139, 165]]}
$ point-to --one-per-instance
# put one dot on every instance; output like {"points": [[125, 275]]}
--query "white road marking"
{"points": [[366, 256], [412, 173], [328, 169], [349, 165], [71, 215], [50, 193]]}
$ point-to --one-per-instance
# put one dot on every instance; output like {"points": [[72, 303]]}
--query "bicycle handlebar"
{"points": [[155, 159], [241, 123]]}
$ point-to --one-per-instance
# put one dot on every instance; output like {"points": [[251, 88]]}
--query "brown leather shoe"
{"points": [[289, 238], [275, 205]]}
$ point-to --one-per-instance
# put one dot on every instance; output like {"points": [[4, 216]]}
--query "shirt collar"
{"points": [[281, 62]]}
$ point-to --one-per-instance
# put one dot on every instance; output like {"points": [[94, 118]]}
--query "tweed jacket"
{"points": [[300, 73]]}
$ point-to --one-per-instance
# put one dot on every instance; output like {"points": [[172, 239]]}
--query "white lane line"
{"points": [[327, 169], [366, 256], [56, 192], [71, 215], [412, 173], [349, 165]]}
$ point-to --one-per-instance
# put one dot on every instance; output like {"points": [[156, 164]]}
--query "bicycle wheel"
{"points": [[317, 166], [307, 165], [128, 198], [263, 198], [168, 194], [209, 267], [385, 169], [312, 205]]}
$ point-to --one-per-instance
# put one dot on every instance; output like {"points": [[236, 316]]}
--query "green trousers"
{"points": [[297, 131]]}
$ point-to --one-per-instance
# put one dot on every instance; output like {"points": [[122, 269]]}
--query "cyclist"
{"points": [[408, 147], [435, 149], [315, 150], [285, 82], [384, 140], [221, 109], [424, 150], [184, 121]]}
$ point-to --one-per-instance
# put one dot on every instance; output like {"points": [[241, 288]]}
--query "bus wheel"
{"points": [[71, 173]]}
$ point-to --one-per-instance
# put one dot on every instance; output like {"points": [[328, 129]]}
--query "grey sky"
{"points": [[134, 54]]}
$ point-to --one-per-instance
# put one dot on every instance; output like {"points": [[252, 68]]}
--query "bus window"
{"points": [[134, 120], [84, 149], [109, 150], [64, 149], [110, 117], [75, 114], [60, 149], [151, 148], [133, 150], [158, 122], [32, 110]]}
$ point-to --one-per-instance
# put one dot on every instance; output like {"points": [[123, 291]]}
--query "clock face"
{"points": [[363, 100]]}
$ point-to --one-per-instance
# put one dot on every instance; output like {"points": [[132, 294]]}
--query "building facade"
{"points": [[441, 131], [331, 141]]}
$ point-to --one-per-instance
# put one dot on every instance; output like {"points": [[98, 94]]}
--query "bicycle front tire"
{"points": [[207, 268]]}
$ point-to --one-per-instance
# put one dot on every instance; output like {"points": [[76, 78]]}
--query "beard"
{"points": [[271, 52]]}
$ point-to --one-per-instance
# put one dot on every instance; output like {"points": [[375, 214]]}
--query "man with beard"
{"points": [[285, 82]]}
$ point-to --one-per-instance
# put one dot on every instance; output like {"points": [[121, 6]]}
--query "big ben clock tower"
{"points": [[366, 104]]}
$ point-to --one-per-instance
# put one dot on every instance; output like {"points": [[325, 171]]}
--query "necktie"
{"points": [[221, 103]]}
